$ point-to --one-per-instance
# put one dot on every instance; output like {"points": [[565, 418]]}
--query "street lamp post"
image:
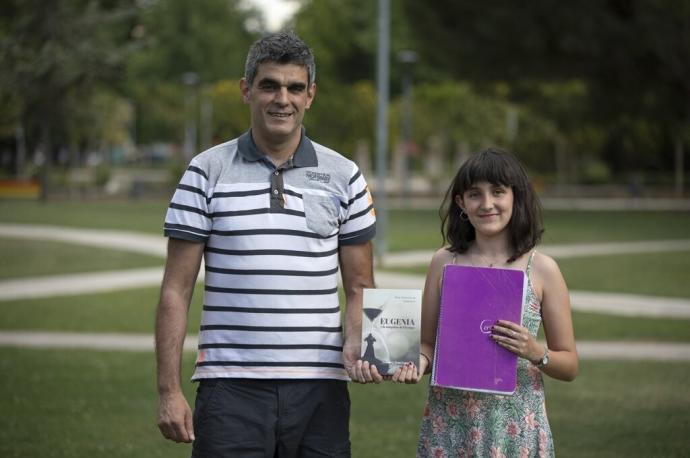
{"points": [[406, 58], [190, 79], [382, 86]]}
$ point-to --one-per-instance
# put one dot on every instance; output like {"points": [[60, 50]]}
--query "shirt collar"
{"points": [[304, 156]]}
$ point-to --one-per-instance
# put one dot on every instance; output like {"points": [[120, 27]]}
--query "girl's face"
{"points": [[488, 206]]}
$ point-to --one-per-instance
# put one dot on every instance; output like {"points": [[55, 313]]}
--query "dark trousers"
{"points": [[271, 418]]}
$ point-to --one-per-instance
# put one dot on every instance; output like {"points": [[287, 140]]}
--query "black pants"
{"points": [[271, 418]]}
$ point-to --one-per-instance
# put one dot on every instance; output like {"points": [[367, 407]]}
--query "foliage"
{"points": [[190, 47], [208, 38], [342, 115], [343, 35], [54, 55], [230, 115], [601, 91], [456, 112], [630, 58]]}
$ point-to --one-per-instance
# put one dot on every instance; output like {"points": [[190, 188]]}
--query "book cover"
{"points": [[472, 300], [391, 327]]}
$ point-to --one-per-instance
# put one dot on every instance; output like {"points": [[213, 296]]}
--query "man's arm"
{"points": [[356, 266], [181, 270]]}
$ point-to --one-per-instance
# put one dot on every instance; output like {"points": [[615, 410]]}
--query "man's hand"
{"points": [[358, 370], [175, 417]]}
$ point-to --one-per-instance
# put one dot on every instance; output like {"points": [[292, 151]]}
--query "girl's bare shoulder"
{"points": [[442, 256], [545, 266]]}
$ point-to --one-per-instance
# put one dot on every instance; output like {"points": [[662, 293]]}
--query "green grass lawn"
{"points": [[129, 310], [420, 229], [24, 258], [128, 215], [616, 409], [68, 403], [654, 274], [77, 403], [603, 226]]}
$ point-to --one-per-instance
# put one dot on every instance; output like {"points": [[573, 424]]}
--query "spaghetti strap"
{"points": [[529, 262]]}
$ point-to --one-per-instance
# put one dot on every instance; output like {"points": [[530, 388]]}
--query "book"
{"points": [[391, 320], [472, 300]]}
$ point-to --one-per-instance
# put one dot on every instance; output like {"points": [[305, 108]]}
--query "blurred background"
{"points": [[113, 97], [104, 102]]}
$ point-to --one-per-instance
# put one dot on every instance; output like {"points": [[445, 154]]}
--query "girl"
{"points": [[491, 218]]}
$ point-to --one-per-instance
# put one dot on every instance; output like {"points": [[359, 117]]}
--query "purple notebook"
{"points": [[472, 300]]}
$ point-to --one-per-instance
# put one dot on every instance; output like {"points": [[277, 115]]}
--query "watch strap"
{"points": [[544, 360]]}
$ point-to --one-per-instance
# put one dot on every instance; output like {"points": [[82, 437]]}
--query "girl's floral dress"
{"points": [[459, 423]]}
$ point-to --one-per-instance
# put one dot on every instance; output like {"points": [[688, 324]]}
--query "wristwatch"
{"points": [[544, 360]]}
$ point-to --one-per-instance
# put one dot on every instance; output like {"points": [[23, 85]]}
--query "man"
{"points": [[275, 216]]}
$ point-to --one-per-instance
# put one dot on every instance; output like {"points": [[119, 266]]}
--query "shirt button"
{"points": [[277, 172], [275, 191]]}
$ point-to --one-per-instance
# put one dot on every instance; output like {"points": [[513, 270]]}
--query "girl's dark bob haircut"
{"points": [[499, 168]]}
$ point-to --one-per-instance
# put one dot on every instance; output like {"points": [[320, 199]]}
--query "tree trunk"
{"points": [[47, 149], [679, 166]]}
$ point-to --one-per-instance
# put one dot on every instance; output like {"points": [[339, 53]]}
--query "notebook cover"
{"points": [[472, 300]]}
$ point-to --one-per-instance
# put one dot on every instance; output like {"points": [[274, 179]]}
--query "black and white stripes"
{"points": [[270, 297]]}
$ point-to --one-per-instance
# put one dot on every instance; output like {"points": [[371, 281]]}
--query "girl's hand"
{"points": [[406, 374], [516, 339]]}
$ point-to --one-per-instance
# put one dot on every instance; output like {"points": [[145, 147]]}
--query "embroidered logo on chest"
{"points": [[318, 176]]}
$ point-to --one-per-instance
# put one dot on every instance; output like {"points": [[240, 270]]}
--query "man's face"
{"points": [[278, 99]]}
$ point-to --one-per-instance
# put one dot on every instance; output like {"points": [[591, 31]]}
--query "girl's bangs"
{"points": [[486, 167]]}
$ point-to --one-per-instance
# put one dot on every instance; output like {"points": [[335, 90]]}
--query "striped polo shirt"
{"points": [[271, 307]]}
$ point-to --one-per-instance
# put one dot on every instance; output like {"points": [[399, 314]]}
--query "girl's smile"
{"points": [[488, 206]]}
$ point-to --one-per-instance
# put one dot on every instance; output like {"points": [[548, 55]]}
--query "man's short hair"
{"points": [[283, 48]]}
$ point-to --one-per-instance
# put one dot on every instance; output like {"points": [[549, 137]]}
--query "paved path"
{"points": [[156, 245], [92, 282], [95, 282], [135, 242], [573, 250], [608, 303]]}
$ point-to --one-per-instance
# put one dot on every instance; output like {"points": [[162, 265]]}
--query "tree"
{"points": [[207, 39], [633, 55], [55, 54]]}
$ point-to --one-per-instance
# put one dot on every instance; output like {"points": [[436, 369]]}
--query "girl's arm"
{"points": [[557, 320]]}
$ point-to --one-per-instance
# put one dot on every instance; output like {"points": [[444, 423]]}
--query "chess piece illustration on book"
{"points": [[391, 328]]}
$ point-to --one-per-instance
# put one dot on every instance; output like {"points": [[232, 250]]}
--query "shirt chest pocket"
{"points": [[321, 213]]}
